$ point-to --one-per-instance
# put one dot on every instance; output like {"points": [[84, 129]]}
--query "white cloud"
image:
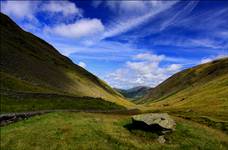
{"points": [[101, 50], [65, 7], [28, 9], [206, 43], [56, 11], [174, 67], [82, 64], [145, 69], [126, 6], [211, 58], [81, 28], [149, 57], [129, 6], [205, 60], [19, 9]]}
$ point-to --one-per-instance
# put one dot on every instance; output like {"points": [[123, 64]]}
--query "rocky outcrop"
{"points": [[162, 120], [160, 123]]}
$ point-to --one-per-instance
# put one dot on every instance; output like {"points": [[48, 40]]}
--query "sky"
{"points": [[128, 43]]}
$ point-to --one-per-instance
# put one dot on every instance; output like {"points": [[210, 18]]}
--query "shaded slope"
{"points": [[29, 60]]}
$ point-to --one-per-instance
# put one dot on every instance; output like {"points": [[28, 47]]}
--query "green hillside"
{"points": [[29, 64], [189, 78], [199, 93]]}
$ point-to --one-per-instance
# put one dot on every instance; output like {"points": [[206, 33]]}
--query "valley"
{"points": [[75, 109]]}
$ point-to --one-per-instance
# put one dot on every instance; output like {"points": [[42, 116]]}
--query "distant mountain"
{"points": [[134, 93], [29, 64]]}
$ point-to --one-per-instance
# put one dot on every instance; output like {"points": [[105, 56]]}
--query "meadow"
{"points": [[103, 131]]}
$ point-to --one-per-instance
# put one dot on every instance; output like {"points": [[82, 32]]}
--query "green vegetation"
{"points": [[189, 78], [30, 64], [25, 102], [204, 101], [34, 76], [100, 131]]}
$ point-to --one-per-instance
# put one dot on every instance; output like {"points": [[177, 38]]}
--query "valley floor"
{"points": [[69, 130]]}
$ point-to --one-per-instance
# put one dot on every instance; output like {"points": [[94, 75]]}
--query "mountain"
{"points": [[201, 90], [29, 64], [135, 92], [192, 77]]}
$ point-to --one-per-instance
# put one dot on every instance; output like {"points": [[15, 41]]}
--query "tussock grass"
{"points": [[100, 131]]}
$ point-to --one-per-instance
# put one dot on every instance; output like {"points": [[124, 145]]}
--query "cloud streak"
{"points": [[124, 24]]}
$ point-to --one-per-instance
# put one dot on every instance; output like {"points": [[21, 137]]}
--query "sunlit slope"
{"points": [[202, 90], [30, 64], [189, 78]]}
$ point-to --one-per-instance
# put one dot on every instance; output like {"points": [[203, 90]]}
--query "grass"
{"points": [[198, 103], [192, 77], [34, 102], [100, 131]]}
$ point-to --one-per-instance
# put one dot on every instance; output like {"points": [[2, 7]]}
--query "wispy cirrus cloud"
{"points": [[127, 22], [179, 15], [186, 42], [142, 42]]}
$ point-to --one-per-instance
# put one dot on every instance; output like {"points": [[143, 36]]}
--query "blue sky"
{"points": [[128, 43]]}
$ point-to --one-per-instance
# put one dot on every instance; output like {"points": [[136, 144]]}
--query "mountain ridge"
{"points": [[28, 60], [189, 77]]}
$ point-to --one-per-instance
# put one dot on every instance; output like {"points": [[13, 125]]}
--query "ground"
{"points": [[103, 131]]}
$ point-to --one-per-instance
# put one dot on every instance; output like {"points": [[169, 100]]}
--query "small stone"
{"points": [[161, 139]]}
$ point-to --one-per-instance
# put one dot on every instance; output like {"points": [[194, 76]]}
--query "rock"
{"points": [[161, 139], [160, 120]]}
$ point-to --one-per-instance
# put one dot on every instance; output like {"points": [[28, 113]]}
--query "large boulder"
{"points": [[158, 121]]}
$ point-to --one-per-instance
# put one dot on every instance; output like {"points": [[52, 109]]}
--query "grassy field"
{"points": [[206, 103], [100, 131]]}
